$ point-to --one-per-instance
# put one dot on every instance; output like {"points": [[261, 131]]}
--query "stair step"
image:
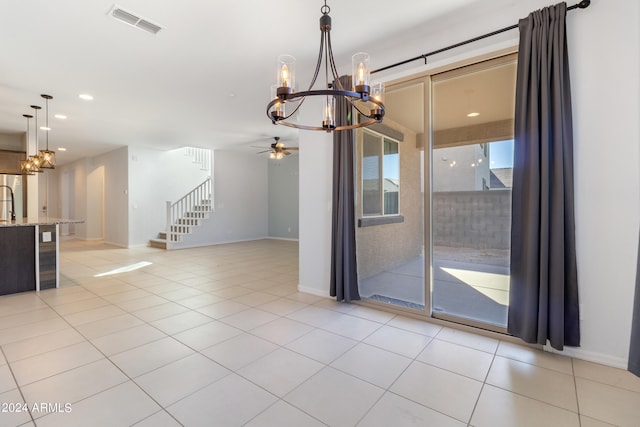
{"points": [[176, 237], [181, 228], [192, 222], [158, 243], [196, 215]]}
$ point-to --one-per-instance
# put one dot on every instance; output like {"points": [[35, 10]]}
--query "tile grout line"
{"points": [[575, 389], [15, 380], [110, 361], [484, 383]]}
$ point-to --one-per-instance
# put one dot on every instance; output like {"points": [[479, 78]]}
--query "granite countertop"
{"points": [[25, 222]]}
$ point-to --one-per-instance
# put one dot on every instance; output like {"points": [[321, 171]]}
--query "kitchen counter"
{"points": [[29, 254], [26, 222]]}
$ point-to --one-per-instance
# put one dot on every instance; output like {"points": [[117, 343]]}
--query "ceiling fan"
{"points": [[278, 150]]}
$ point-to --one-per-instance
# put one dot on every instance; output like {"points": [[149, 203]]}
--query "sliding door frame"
{"points": [[428, 314]]}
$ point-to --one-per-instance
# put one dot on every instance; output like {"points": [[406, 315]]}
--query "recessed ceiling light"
{"points": [[85, 96], [473, 114], [60, 116], [62, 149], [44, 128]]}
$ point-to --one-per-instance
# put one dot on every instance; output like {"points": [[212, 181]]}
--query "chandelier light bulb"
{"points": [[361, 72], [329, 113], [286, 75]]}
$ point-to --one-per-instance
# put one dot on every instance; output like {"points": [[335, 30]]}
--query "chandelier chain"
{"points": [[325, 9]]}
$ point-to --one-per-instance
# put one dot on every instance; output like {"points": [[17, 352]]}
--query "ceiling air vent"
{"points": [[132, 19]]}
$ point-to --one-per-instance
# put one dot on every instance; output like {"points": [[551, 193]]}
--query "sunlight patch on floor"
{"points": [[125, 269], [492, 285]]}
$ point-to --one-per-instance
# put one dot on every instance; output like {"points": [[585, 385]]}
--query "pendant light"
{"points": [[26, 166], [47, 157], [36, 161]]}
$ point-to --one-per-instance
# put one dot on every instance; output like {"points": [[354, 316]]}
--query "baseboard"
{"points": [[224, 242], [120, 245], [139, 245], [591, 356], [282, 238], [312, 291]]}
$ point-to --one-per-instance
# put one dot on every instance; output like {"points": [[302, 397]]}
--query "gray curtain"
{"points": [[344, 275], [634, 353], [543, 302]]}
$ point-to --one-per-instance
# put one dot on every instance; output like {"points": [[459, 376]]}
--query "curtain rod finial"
{"points": [[584, 4]]}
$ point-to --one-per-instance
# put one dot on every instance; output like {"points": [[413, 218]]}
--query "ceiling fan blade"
{"points": [[286, 153], [290, 148], [265, 151]]}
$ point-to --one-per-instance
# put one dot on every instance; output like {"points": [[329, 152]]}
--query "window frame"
{"points": [[379, 218]]}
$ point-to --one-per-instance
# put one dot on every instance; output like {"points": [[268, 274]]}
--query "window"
{"points": [[380, 175]]}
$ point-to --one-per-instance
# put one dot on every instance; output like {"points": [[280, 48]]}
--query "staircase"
{"points": [[184, 215]]}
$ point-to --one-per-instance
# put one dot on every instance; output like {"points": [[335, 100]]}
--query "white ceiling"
{"points": [[203, 80]]}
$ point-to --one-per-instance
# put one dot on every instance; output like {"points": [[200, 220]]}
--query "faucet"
{"points": [[13, 206]]}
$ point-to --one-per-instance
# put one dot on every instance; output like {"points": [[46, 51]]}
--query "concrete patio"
{"points": [[467, 283]]}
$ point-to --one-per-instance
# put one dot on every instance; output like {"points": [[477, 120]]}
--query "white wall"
{"points": [[80, 199], [95, 204], [604, 72], [78, 191], [462, 176], [284, 197], [241, 200], [156, 177], [316, 158], [603, 46]]}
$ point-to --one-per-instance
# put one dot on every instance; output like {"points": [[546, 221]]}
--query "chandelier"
{"points": [[366, 99]]}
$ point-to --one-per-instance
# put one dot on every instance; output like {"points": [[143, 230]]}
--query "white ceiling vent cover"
{"points": [[134, 20]]}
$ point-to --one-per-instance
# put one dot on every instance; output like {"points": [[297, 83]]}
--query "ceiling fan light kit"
{"points": [[278, 150], [365, 98]]}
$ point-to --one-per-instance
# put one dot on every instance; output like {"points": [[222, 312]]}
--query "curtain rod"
{"points": [[582, 5]]}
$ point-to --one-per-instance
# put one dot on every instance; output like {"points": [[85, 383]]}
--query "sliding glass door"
{"points": [[433, 196], [471, 169]]}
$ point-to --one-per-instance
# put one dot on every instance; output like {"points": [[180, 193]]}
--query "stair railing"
{"points": [[192, 205], [202, 156]]}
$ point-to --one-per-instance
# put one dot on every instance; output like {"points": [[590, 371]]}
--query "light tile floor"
{"points": [[219, 336]]}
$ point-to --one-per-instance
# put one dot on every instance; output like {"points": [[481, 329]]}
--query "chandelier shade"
{"points": [[359, 96]]}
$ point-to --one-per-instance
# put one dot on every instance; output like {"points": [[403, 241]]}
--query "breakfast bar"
{"points": [[29, 254]]}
